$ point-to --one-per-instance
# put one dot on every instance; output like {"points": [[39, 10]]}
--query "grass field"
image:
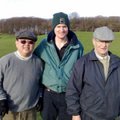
{"points": [[7, 44]]}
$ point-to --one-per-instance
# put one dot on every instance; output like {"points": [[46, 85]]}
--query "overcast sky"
{"points": [[46, 8]]}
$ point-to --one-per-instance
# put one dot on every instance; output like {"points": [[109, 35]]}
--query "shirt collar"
{"points": [[100, 57], [17, 53]]}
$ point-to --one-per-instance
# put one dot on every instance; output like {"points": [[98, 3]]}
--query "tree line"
{"points": [[43, 26]]}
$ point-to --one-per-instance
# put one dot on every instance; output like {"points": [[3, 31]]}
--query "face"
{"points": [[61, 31], [101, 47], [25, 47]]}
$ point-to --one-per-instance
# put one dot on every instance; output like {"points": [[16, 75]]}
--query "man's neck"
{"points": [[60, 42], [17, 53]]}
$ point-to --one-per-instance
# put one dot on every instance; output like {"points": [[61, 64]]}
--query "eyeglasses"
{"points": [[26, 41]]}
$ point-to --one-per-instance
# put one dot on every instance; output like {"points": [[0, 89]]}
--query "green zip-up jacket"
{"points": [[57, 72]]}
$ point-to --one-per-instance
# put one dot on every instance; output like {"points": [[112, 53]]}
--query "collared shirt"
{"points": [[17, 53], [61, 51], [105, 61]]}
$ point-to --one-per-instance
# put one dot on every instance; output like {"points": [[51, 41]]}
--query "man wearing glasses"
{"points": [[20, 74]]}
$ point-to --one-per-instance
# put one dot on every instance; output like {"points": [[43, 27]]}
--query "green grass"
{"points": [[7, 44], [86, 39], [38, 116]]}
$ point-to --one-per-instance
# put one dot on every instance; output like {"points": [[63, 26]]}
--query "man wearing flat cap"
{"points": [[20, 75], [93, 91], [59, 52]]}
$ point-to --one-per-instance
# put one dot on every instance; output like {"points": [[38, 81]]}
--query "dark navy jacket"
{"points": [[88, 94]]}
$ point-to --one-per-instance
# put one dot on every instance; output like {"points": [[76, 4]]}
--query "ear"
{"points": [[16, 43]]}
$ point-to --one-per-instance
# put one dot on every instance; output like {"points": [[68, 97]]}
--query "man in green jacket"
{"points": [[59, 52]]}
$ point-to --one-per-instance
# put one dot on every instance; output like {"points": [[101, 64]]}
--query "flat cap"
{"points": [[103, 34], [26, 34]]}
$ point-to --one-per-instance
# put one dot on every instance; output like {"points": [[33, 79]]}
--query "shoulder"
{"points": [[36, 58], [7, 60], [72, 36], [7, 57], [43, 42], [81, 45], [40, 47], [114, 58], [83, 59]]}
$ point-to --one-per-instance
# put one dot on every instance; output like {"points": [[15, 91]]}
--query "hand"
{"points": [[3, 107], [39, 105], [77, 117]]}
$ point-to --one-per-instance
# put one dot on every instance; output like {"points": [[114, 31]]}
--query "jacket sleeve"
{"points": [[74, 89], [2, 92], [39, 49]]}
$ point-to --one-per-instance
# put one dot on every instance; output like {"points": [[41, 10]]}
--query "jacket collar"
{"points": [[71, 37], [113, 58]]}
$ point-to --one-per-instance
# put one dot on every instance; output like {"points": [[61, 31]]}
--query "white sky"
{"points": [[46, 8]]}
